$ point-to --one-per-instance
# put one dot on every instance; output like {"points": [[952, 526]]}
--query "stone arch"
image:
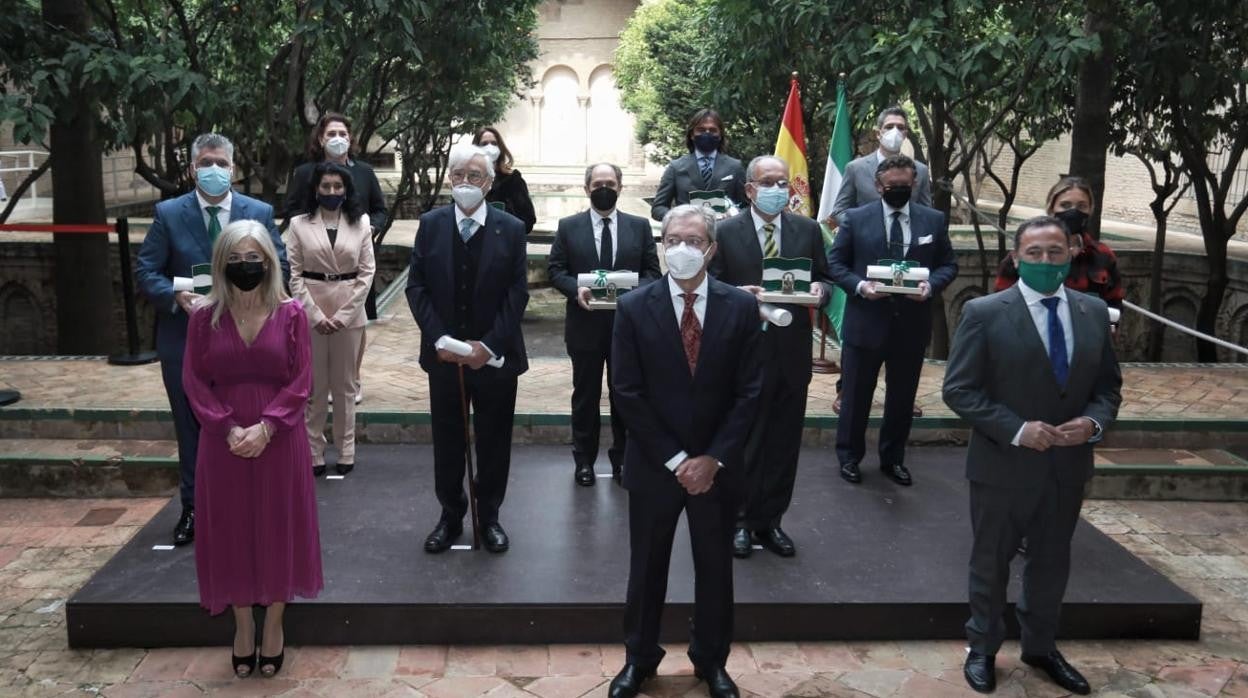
{"points": [[609, 128], [562, 117], [1179, 305], [1238, 333], [960, 299], [23, 321]]}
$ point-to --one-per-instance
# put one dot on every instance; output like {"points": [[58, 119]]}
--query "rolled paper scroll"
{"points": [[1114, 315], [776, 316], [620, 279], [875, 271], [459, 348]]}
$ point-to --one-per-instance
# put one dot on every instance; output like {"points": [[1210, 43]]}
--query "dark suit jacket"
{"points": [[513, 193], [683, 176], [862, 240], [178, 240], [858, 184], [574, 252], [667, 410], [999, 376], [738, 261], [502, 290], [367, 192]]}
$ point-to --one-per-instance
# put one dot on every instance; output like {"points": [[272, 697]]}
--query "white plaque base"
{"points": [[899, 290], [596, 304], [793, 298]]}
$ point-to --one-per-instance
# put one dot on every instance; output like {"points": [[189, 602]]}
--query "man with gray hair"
{"points": [[180, 239], [686, 382], [468, 281], [603, 238]]}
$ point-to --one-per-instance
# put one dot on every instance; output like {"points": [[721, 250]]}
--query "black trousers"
{"points": [[492, 398], [771, 451], [185, 426], [586, 418], [860, 370], [1000, 518], [652, 517]]}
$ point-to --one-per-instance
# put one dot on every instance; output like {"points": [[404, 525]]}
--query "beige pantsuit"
{"points": [[334, 356]]}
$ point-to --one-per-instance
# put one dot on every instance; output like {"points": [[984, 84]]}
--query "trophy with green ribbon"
{"points": [[606, 286], [787, 281], [897, 276]]}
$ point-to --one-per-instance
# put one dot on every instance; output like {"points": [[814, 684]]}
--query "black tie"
{"points": [[606, 254], [896, 243]]}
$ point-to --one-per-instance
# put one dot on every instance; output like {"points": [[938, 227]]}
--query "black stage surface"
{"points": [[874, 561]]}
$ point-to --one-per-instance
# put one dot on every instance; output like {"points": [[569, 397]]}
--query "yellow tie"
{"points": [[769, 242]]}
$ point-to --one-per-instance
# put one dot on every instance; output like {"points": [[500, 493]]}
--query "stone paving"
{"points": [[49, 547], [392, 381]]}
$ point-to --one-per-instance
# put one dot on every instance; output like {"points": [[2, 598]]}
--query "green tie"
{"points": [[214, 223], [769, 242]]}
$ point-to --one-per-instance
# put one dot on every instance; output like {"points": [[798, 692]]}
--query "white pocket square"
{"points": [[925, 240], [725, 178]]}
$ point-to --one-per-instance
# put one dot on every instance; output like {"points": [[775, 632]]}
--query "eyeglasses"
{"points": [[778, 183], [695, 243], [248, 257], [474, 178]]}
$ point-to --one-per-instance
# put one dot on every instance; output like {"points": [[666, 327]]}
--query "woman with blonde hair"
{"points": [[247, 373], [331, 270]]}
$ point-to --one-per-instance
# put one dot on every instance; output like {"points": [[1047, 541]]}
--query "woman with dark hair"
{"points": [[1093, 265], [331, 269], [509, 187], [705, 168]]}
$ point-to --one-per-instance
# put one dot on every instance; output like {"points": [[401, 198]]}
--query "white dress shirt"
{"points": [[699, 309], [223, 216], [596, 219], [477, 215], [888, 227], [762, 235]]}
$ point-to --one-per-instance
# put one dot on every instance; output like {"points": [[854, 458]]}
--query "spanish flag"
{"points": [[791, 146]]}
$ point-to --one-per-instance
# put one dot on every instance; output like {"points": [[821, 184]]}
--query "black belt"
{"points": [[318, 276]]}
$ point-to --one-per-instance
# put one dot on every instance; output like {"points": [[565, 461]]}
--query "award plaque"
{"points": [[606, 286], [716, 200], [201, 276], [897, 277], [787, 281]]}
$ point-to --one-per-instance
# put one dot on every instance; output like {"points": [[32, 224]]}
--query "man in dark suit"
{"points": [[608, 239], [181, 236], [705, 168], [687, 381], [1033, 371], [768, 229], [468, 281], [883, 329]]}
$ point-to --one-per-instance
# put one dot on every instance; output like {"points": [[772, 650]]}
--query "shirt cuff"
{"points": [[1098, 432], [858, 288], [183, 283], [1017, 441], [676, 460]]}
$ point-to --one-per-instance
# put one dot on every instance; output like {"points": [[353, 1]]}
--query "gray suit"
{"points": [[683, 176], [858, 184], [999, 376]]}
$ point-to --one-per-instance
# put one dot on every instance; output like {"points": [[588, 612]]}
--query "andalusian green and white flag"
{"points": [[782, 275], [840, 152], [201, 277]]}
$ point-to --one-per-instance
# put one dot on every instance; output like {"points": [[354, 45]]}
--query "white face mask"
{"points": [[337, 146], [892, 139], [491, 151], [467, 196], [683, 261]]}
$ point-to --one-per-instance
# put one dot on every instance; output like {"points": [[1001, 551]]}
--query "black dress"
{"points": [[513, 193]]}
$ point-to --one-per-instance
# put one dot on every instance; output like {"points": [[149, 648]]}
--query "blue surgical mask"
{"points": [[213, 180], [772, 200]]}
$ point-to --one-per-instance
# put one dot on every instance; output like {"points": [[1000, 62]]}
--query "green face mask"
{"points": [[1042, 276]]}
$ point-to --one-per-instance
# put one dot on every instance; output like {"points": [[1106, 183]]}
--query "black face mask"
{"points": [[897, 196], [245, 276], [604, 198], [1075, 220], [706, 142]]}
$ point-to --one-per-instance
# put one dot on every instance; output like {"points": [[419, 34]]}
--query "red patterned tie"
{"points": [[691, 331]]}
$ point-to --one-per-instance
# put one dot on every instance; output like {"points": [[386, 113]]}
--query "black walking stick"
{"points": [[472, 477]]}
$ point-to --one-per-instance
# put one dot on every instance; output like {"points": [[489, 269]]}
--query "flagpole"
{"points": [[822, 364]]}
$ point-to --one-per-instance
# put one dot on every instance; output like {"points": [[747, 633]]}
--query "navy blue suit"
{"points": [[488, 309], [892, 331], [666, 411], [176, 241]]}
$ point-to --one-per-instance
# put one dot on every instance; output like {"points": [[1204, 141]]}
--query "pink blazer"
{"points": [[308, 249]]}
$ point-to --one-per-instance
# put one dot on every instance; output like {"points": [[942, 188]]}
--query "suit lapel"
{"points": [[488, 243], [1028, 333], [878, 236], [194, 225], [789, 247], [1083, 328], [712, 321], [663, 312], [691, 167], [589, 248]]}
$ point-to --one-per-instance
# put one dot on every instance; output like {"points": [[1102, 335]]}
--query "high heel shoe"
{"points": [[269, 666], [243, 666]]}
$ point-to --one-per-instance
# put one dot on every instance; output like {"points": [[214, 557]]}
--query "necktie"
{"points": [[896, 242], [214, 223], [704, 165], [1057, 342], [606, 255], [769, 241], [691, 331], [465, 228]]}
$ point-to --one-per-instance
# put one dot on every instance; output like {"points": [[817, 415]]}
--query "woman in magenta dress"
{"points": [[247, 374]]}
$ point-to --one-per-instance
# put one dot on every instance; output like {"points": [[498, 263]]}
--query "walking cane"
{"points": [[821, 364], [472, 477]]}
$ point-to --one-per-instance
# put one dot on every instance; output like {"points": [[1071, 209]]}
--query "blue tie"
{"points": [[465, 228], [704, 167], [1057, 342]]}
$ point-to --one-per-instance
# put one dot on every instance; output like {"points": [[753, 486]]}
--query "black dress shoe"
{"points": [[344, 468], [441, 537], [980, 671], [585, 475], [495, 538], [318, 470], [777, 541], [742, 546], [898, 474], [850, 472], [718, 683], [184, 532], [1060, 670], [627, 683], [617, 474]]}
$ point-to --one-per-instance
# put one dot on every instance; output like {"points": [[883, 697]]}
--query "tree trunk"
{"points": [[1089, 140], [1215, 291], [1157, 332], [84, 282]]}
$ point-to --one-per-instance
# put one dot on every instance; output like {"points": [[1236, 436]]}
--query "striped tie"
{"points": [[465, 228], [769, 242]]}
